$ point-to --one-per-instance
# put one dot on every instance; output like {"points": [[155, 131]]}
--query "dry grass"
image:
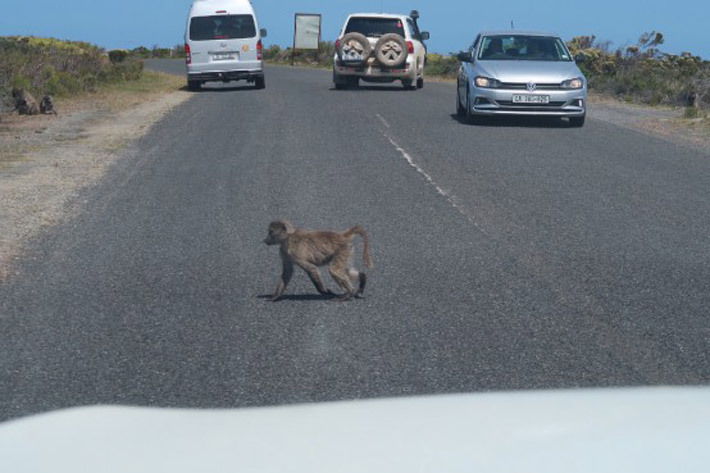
{"points": [[123, 95]]}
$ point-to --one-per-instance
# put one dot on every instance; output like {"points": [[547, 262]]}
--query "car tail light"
{"points": [[259, 50], [410, 47], [188, 55]]}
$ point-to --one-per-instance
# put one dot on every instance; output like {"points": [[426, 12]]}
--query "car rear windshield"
{"points": [[203, 28], [523, 48], [375, 27]]}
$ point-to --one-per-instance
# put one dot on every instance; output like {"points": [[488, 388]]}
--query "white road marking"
{"points": [[382, 119], [449, 197]]}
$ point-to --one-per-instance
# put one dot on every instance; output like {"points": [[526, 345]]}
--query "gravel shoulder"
{"points": [[662, 122], [45, 161]]}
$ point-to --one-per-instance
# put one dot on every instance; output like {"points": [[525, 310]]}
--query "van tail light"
{"points": [[410, 47], [188, 55], [259, 50]]}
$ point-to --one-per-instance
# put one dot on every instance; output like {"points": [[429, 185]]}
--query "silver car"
{"points": [[520, 73]]}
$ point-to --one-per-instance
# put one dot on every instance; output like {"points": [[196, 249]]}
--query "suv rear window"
{"points": [[375, 27], [203, 28]]}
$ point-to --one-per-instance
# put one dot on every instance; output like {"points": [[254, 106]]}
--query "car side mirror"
{"points": [[262, 32], [424, 35], [580, 58], [464, 56]]}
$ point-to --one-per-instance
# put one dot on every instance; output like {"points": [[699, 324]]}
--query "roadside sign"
{"points": [[307, 31]]}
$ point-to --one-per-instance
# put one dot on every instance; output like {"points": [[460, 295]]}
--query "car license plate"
{"points": [[531, 99], [223, 57]]}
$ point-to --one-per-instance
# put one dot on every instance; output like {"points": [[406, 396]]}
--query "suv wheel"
{"points": [[420, 83], [408, 84], [354, 49], [391, 50]]}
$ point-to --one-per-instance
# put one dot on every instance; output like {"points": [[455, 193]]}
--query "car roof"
{"points": [[518, 32]]}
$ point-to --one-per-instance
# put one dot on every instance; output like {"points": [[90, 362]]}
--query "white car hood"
{"points": [[544, 72], [642, 430]]}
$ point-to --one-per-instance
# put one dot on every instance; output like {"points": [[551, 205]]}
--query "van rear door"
{"points": [[219, 41]]}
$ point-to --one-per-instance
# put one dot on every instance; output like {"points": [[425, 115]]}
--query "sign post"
{"points": [[306, 33]]}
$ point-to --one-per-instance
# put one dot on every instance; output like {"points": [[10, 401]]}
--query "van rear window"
{"points": [[203, 28], [374, 27]]}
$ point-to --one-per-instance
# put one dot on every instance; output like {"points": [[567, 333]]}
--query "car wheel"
{"points": [[354, 49], [194, 85], [576, 122], [467, 112], [460, 110], [260, 83], [391, 50]]}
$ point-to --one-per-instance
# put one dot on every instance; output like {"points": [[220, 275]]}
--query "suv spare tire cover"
{"points": [[354, 48], [391, 50]]}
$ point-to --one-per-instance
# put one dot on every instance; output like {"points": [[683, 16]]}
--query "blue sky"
{"points": [[452, 23]]}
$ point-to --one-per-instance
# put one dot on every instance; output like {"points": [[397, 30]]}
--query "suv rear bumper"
{"points": [[376, 72]]}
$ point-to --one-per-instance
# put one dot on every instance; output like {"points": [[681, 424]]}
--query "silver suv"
{"points": [[377, 47]]}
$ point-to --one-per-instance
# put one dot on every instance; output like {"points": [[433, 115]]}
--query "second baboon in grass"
{"points": [[46, 106], [311, 249]]}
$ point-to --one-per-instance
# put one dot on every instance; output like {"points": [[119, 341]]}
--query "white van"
{"points": [[223, 43]]}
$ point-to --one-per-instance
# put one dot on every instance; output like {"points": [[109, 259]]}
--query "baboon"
{"points": [[25, 104], [46, 106], [310, 249]]}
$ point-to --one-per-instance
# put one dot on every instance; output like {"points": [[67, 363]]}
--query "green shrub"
{"points": [[641, 72], [47, 65], [118, 55]]}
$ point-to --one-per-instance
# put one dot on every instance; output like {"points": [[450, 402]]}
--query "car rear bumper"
{"points": [[562, 103]]}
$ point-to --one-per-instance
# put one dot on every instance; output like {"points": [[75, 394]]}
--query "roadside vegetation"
{"points": [[311, 58], [60, 68], [640, 73]]}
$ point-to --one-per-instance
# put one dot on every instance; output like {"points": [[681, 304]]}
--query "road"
{"points": [[510, 255]]}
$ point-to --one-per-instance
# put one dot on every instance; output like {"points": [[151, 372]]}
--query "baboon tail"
{"points": [[358, 230]]}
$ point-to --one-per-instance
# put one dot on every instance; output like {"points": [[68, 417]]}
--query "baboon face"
{"points": [[278, 232]]}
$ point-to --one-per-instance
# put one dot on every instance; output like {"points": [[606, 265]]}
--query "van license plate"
{"points": [[223, 57], [531, 99]]}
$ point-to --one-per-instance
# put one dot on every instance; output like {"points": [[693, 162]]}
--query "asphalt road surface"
{"points": [[511, 255]]}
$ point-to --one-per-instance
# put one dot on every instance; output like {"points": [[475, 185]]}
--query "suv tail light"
{"points": [[188, 55], [410, 47], [259, 50], [337, 44]]}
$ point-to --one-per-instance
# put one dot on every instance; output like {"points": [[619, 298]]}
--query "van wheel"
{"points": [[260, 83], [194, 85]]}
